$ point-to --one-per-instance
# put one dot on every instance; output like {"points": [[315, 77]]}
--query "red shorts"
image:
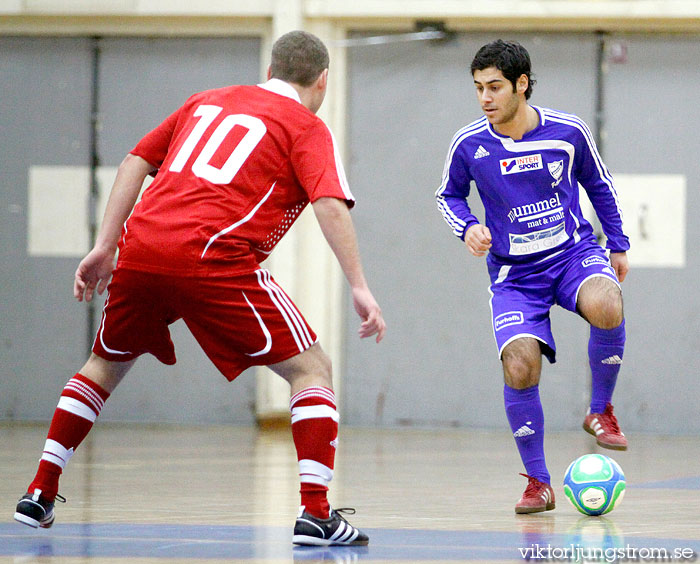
{"points": [[239, 321]]}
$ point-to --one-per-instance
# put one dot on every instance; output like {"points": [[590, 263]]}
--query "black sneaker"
{"points": [[334, 531], [35, 511]]}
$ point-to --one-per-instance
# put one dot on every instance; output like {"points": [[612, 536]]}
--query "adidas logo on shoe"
{"points": [[605, 428], [547, 496], [614, 359], [334, 531], [538, 496], [524, 431], [481, 152]]}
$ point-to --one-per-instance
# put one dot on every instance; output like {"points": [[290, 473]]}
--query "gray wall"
{"points": [[45, 120], [38, 331], [438, 365], [652, 128]]}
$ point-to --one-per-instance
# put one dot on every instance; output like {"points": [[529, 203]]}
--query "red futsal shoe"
{"points": [[537, 497], [604, 427]]}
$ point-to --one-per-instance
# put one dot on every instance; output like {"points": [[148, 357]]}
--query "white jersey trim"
{"points": [[461, 135], [573, 121], [283, 88], [240, 221], [524, 146], [277, 86], [457, 224], [340, 170]]}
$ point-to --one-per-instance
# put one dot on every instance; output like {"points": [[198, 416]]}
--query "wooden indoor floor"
{"points": [[154, 494]]}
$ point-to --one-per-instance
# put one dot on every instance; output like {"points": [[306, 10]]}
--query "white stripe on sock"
{"points": [[315, 392], [311, 479], [87, 392], [311, 469], [56, 453], [53, 459], [77, 407], [314, 412]]}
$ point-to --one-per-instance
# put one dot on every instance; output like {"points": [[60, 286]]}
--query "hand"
{"points": [[620, 264], [478, 239], [370, 313], [93, 272]]}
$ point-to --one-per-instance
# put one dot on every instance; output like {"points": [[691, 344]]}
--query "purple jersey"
{"points": [[529, 188]]}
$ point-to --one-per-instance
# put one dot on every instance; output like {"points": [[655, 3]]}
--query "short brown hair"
{"points": [[298, 57]]}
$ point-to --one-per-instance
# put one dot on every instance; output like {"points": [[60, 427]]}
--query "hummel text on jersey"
{"points": [[529, 212], [481, 152]]}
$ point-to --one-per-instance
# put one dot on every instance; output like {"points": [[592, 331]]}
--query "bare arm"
{"points": [[95, 270], [334, 218]]}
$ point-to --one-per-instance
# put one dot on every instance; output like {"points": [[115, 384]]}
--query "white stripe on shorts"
{"points": [[101, 332], [296, 315], [286, 308], [266, 332]]}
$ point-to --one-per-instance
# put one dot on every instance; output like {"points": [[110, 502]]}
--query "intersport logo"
{"points": [[521, 164]]}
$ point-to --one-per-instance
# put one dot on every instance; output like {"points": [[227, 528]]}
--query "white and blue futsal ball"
{"points": [[594, 484]]}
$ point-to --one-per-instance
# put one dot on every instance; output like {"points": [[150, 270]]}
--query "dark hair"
{"points": [[509, 57], [298, 57]]}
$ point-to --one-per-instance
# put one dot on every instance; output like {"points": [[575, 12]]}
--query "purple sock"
{"points": [[524, 412], [605, 350]]}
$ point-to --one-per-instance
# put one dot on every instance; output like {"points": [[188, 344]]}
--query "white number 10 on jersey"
{"points": [[201, 167]]}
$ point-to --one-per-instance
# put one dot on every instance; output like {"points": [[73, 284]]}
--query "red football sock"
{"points": [[79, 405], [315, 433]]}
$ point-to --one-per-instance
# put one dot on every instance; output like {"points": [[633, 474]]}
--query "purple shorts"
{"points": [[522, 295]]}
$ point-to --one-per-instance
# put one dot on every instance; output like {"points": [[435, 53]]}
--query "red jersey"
{"points": [[236, 167]]}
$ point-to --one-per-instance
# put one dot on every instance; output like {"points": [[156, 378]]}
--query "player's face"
{"points": [[496, 97]]}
